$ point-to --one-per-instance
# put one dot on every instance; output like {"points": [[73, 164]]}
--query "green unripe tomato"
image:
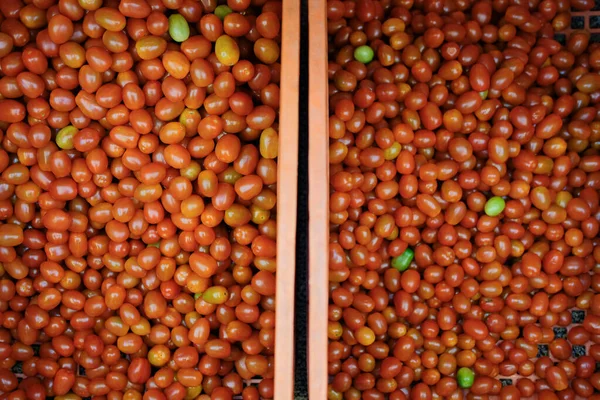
{"points": [[465, 377], [402, 262], [222, 11], [179, 29], [64, 138], [494, 206], [364, 54]]}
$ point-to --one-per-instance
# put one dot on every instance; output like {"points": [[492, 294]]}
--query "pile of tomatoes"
{"points": [[138, 173], [464, 208]]}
